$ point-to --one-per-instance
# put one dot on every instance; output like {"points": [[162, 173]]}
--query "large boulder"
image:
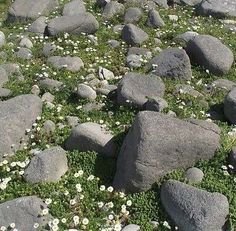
{"points": [[112, 8], [22, 10], [74, 7], [137, 88], [24, 212], [158, 144], [17, 115], [210, 53], [91, 137], [230, 106], [47, 166], [193, 209], [217, 8], [171, 63], [75, 24]]}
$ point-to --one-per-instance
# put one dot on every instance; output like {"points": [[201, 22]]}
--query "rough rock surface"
{"points": [[194, 209], [74, 7], [230, 106], [17, 115], [161, 144]]}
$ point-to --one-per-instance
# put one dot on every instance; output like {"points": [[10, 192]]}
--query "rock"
{"points": [[232, 158], [47, 166], [24, 53], [74, 7], [133, 15], [25, 42], [49, 127], [133, 61], [112, 8], [50, 84], [118, 28], [187, 89], [173, 18], [35, 90], [137, 88], [217, 8], [154, 19], [189, 2], [194, 175], [5, 92], [230, 106], [91, 137], [186, 37], [210, 53], [38, 26], [192, 208], [2, 39], [86, 92], [104, 73], [140, 52], [133, 35], [72, 120], [224, 84], [17, 115], [162, 3], [102, 3], [76, 24], [161, 144], [156, 104], [12, 68], [22, 10], [48, 97], [72, 64], [114, 43], [24, 212], [49, 49], [131, 227], [3, 76], [92, 106], [171, 63]]}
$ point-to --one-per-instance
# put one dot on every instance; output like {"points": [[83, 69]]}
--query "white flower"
{"points": [[44, 212], [129, 203], [48, 201], [36, 225], [117, 227], [12, 225], [3, 228], [72, 202], [85, 221], [101, 204], [110, 217], [166, 224], [91, 177], [63, 220], [55, 221], [102, 187], [110, 189], [78, 188], [76, 220]]}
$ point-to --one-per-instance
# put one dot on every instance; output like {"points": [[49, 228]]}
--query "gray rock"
{"points": [[38, 26], [118, 28], [224, 84], [210, 53], [187, 89], [113, 8], [76, 24], [194, 209], [50, 84], [161, 144], [22, 10], [26, 42], [156, 104], [2, 39], [186, 37], [49, 49], [232, 158], [102, 3], [17, 115], [230, 106], [74, 7], [114, 43], [35, 90], [171, 63], [137, 88], [133, 35], [24, 212], [86, 92], [161, 3], [72, 120], [104, 73], [154, 19], [49, 127], [92, 106], [188, 2], [133, 61], [24, 53], [131, 227], [5, 92], [72, 64], [47, 166], [194, 175], [91, 137], [133, 15], [217, 8], [3, 76], [140, 51], [48, 97]]}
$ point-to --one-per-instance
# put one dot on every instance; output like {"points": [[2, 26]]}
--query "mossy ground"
{"points": [[146, 206]]}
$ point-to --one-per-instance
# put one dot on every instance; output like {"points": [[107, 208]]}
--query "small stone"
{"points": [[133, 15], [154, 19], [38, 26], [173, 18], [73, 121], [48, 97], [156, 104], [86, 92], [26, 42], [131, 227], [2, 39], [49, 127], [50, 84], [48, 49], [232, 158], [24, 53], [133, 61], [230, 106], [104, 73], [112, 8], [114, 43], [35, 90], [194, 175]]}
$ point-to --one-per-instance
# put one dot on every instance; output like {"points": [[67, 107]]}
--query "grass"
{"points": [[146, 206]]}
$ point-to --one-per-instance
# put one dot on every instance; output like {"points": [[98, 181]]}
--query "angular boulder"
{"points": [[137, 88], [24, 212], [91, 137], [158, 144], [17, 115], [210, 53], [22, 10], [74, 7], [75, 24], [194, 209]]}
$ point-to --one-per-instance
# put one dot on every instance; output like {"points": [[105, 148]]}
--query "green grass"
{"points": [[146, 206]]}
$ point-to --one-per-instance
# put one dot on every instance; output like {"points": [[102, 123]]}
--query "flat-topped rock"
{"points": [[22, 10]]}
